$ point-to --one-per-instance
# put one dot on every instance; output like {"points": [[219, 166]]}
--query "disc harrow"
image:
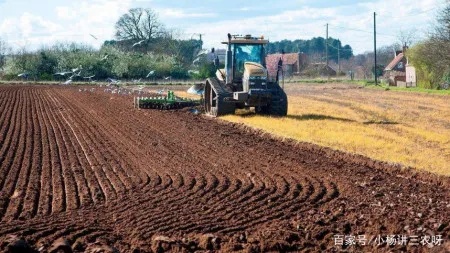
{"points": [[168, 102]]}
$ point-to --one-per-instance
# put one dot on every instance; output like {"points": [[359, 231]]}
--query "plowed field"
{"points": [[88, 168]]}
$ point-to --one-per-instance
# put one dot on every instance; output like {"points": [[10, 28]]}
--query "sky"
{"points": [[34, 24]]}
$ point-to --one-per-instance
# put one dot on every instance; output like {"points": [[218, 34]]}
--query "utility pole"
{"points": [[326, 53], [326, 46], [339, 56], [375, 46]]}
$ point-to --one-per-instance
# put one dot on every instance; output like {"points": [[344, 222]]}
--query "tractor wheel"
{"points": [[214, 103]]}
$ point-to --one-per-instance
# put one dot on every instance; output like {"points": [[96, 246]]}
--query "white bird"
{"points": [[167, 77], [75, 74], [89, 77], [161, 91], [68, 82], [138, 43], [77, 69], [113, 82], [150, 73], [63, 73], [25, 75]]}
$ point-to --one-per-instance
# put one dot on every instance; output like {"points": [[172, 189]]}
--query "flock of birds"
{"points": [[135, 91], [76, 73]]}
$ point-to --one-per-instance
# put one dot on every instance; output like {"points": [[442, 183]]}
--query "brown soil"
{"points": [[87, 169]]}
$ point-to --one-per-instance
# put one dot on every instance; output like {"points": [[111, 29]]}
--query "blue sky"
{"points": [[36, 23]]}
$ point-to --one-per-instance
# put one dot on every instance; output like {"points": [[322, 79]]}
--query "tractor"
{"points": [[244, 82]]}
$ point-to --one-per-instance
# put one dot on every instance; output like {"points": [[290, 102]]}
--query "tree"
{"points": [[431, 57], [5, 50], [46, 65], [25, 61], [139, 24], [407, 37]]}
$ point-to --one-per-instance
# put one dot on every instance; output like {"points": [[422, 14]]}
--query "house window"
{"points": [[400, 65]]}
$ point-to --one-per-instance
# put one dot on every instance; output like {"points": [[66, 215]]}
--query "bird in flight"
{"points": [[77, 69], [89, 77], [69, 81], [150, 73], [138, 43], [93, 36], [63, 73]]}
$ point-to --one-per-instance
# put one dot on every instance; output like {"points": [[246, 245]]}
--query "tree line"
{"points": [[144, 45], [315, 47]]}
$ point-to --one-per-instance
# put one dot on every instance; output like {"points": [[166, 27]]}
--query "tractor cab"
{"points": [[242, 50]]}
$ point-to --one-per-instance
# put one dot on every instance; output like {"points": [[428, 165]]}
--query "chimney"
{"points": [[405, 47]]}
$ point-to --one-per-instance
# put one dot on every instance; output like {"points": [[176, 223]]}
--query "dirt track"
{"points": [[87, 167]]}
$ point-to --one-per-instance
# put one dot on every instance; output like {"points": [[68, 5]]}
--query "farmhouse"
{"points": [[293, 63], [398, 72]]}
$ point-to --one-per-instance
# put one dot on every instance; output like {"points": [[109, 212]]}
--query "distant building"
{"points": [[398, 72], [293, 63]]}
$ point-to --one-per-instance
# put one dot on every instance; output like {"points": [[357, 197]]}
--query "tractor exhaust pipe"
{"points": [[229, 63], [280, 70]]}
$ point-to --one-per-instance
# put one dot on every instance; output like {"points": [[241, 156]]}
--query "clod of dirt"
{"points": [[60, 246], [161, 243], [79, 245], [100, 248], [242, 238], [209, 242], [14, 244]]}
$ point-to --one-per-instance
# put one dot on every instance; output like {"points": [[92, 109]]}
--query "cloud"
{"points": [[349, 21], [179, 13], [65, 13], [352, 23], [28, 25]]}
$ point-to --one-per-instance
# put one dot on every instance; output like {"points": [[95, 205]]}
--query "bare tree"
{"points": [[139, 24], [407, 37]]}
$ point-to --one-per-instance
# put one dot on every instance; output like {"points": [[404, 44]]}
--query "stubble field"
{"points": [[408, 128]]}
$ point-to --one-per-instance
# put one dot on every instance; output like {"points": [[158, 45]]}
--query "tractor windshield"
{"points": [[246, 53]]}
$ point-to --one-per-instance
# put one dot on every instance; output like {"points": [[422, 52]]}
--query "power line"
{"points": [[409, 15], [364, 31]]}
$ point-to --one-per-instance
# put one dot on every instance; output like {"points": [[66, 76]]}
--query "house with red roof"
{"points": [[398, 72], [293, 63]]}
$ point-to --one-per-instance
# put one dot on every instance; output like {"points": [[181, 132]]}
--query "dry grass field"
{"points": [[410, 128]]}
